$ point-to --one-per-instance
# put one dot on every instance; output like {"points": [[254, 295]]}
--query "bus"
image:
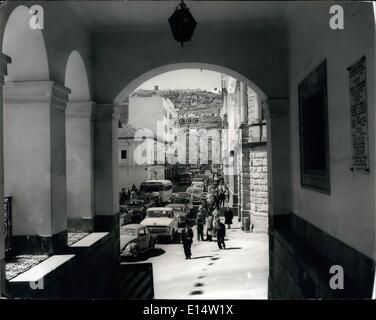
{"points": [[185, 177], [159, 188]]}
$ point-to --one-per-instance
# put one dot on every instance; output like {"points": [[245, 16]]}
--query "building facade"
{"points": [[244, 154], [138, 158]]}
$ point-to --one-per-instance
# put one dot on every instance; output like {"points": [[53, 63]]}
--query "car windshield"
{"points": [[194, 190], [159, 214], [181, 200], [128, 232], [134, 203], [182, 195]]}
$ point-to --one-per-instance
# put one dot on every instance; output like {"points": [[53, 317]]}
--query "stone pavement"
{"points": [[239, 272]]}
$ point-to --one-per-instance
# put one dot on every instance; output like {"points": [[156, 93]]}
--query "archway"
{"points": [[76, 78], [79, 146], [178, 66], [26, 47], [129, 89]]}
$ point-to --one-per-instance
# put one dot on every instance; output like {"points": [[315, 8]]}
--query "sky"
{"points": [[185, 79]]}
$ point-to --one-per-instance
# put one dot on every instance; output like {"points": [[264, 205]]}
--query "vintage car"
{"points": [[135, 239], [196, 193], [137, 208], [199, 185], [183, 198], [125, 216], [161, 222], [181, 213]]}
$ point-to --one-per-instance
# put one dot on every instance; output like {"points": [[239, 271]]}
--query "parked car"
{"points": [[135, 240], [137, 209], [161, 222], [205, 196], [198, 185], [196, 193], [125, 216], [181, 213], [183, 198]]}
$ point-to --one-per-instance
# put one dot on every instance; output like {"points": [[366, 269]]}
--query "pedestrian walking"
{"points": [[228, 217], [209, 227], [200, 222], [187, 239], [222, 198], [134, 188], [123, 197], [221, 233]]}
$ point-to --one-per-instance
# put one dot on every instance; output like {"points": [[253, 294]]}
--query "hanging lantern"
{"points": [[182, 24]]}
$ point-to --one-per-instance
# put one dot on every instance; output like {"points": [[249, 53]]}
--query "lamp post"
{"points": [[182, 24]]}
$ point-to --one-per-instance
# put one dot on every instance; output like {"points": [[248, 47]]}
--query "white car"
{"points": [[161, 222], [196, 193], [198, 185]]}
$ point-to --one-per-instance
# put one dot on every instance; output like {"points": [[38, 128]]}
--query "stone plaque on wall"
{"points": [[359, 116]]}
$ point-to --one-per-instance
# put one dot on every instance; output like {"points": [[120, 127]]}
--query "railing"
{"points": [[8, 225]]}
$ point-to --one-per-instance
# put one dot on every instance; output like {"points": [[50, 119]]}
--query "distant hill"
{"points": [[203, 104]]}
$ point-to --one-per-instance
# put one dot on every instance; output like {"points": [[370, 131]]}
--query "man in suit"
{"points": [[221, 233], [187, 239]]}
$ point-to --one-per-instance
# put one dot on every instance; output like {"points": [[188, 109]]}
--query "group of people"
{"points": [[219, 196], [126, 194], [208, 218]]}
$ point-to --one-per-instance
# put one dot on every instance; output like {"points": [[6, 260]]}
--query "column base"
{"points": [[35, 244]]}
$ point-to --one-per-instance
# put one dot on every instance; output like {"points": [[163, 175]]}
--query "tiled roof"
{"points": [[126, 131]]}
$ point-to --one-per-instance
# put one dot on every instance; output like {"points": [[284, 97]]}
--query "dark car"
{"points": [[137, 209], [125, 216], [135, 239]]}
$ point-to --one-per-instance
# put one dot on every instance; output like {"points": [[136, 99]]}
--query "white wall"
{"points": [[145, 112], [349, 212]]}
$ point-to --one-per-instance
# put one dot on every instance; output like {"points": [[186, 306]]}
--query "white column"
{"points": [[35, 164], [80, 166], [106, 160], [4, 60], [106, 174], [243, 104], [278, 153]]}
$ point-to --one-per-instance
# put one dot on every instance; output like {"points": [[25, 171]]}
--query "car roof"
{"points": [[159, 209], [133, 226], [159, 181]]}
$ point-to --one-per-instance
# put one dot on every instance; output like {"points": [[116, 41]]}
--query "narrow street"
{"points": [[239, 272]]}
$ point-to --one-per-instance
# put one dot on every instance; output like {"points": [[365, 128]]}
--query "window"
{"points": [[314, 135], [123, 154]]}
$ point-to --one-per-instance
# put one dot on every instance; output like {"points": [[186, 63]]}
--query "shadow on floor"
{"points": [[197, 292], [233, 248], [149, 254], [202, 257]]}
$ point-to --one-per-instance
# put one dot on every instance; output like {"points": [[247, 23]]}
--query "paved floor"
{"points": [[239, 272]]}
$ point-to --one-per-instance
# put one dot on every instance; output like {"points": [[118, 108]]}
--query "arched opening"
{"points": [[76, 78], [26, 47], [178, 66], [79, 147], [241, 171]]}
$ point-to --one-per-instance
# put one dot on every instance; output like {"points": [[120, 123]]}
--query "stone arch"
{"points": [[178, 66], [26, 47], [76, 78]]}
